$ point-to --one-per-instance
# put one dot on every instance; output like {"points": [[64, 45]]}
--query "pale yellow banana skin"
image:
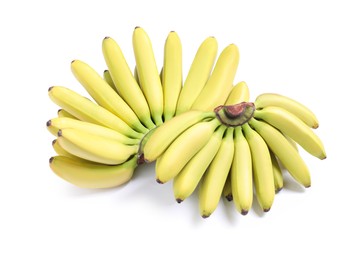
{"points": [[104, 95], [239, 93], [198, 74], [187, 180], [284, 151], [293, 127], [136, 76], [261, 167], [124, 81], [108, 79], [92, 175], [60, 151], [172, 74], [95, 148], [241, 173], [278, 178], [184, 147], [64, 113], [148, 74], [56, 124], [216, 90], [212, 185], [165, 134], [88, 111], [227, 189], [289, 104]]}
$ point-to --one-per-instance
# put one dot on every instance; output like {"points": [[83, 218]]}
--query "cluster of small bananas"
{"points": [[201, 132]]}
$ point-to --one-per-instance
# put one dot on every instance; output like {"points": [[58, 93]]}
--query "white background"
{"points": [[309, 50]]}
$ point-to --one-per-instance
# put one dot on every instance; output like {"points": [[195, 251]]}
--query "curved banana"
{"points": [[92, 175], [227, 189], [148, 74], [125, 82], [64, 113], [278, 179], [289, 104], [94, 147], [165, 134], [214, 179], [239, 93], [60, 151], [104, 95], [56, 124], [216, 90], [241, 173], [187, 180], [198, 74], [108, 79], [293, 127], [262, 168], [172, 79], [84, 109], [284, 151], [183, 148]]}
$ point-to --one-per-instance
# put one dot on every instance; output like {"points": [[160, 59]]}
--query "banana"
{"points": [[125, 82], [227, 189], [216, 90], [94, 147], [171, 74], [104, 95], [239, 93], [294, 107], [198, 74], [56, 124], [187, 180], [284, 151], [92, 175], [241, 173], [214, 179], [278, 179], [183, 148], [293, 127], [148, 74], [86, 110], [261, 167], [60, 151], [136, 76], [64, 113], [108, 79], [165, 134]]}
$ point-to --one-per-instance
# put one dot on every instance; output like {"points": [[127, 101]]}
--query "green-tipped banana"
{"points": [[187, 180], [239, 93], [294, 107], [171, 74], [293, 127], [262, 168], [198, 74], [183, 148], [148, 74], [92, 175], [108, 79], [212, 185], [220, 83], [278, 179], [64, 113], [125, 82], [88, 111]]}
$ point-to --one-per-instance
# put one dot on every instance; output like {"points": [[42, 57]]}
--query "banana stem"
{"points": [[235, 115]]}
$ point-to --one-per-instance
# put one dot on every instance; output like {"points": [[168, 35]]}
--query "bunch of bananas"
{"points": [[204, 132]]}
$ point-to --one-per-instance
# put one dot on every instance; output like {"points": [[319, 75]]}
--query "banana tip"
{"points": [[205, 215], [49, 123], [107, 37], [51, 159], [179, 200], [59, 133], [244, 212], [54, 141], [50, 88], [307, 186], [229, 197], [278, 190], [159, 181], [266, 210], [137, 27]]}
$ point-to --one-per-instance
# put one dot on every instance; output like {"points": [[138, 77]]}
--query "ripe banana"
{"points": [[60, 151], [294, 107], [187, 180], [171, 74], [64, 113], [220, 82], [212, 185], [94, 147], [92, 175], [125, 82], [227, 189], [148, 74], [239, 93], [108, 79], [86, 110], [183, 148], [278, 179], [136, 76], [293, 127], [262, 168], [198, 74]]}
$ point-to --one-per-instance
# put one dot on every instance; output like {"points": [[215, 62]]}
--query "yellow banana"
{"points": [[148, 74], [183, 148], [136, 76], [187, 180], [227, 189], [60, 151], [278, 179], [92, 175], [262, 168], [239, 93], [171, 74], [64, 113], [198, 74], [293, 127], [211, 187], [220, 83], [108, 79], [125, 82]]}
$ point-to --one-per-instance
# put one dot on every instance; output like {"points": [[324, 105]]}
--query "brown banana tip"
{"points": [[105, 71], [49, 123], [159, 181], [51, 159], [244, 212], [307, 186], [49, 89], [266, 210], [136, 27], [179, 200], [205, 216], [278, 190], [107, 37], [59, 133], [73, 61], [229, 197], [54, 141]]}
